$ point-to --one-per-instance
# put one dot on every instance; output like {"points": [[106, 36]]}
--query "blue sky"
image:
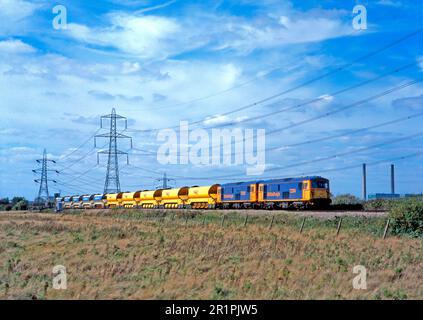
{"points": [[159, 62]]}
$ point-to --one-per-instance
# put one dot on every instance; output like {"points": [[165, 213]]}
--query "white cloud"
{"points": [[144, 36], [221, 119], [130, 67], [158, 37], [13, 14], [390, 3], [326, 97], [14, 46], [218, 119], [16, 9], [246, 36]]}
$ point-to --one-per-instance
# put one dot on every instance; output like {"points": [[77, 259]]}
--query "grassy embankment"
{"points": [[141, 255]]}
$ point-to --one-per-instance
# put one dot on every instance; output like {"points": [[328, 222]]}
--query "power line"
{"points": [[349, 152], [81, 176], [318, 99], [251, 80], [338, 110], [355, 165], [327, 114], [379, 125], [308, 82], [360, 102], [314, 172], [296, 106], [338, 135], [74, 187], [91, 151], [320, 171], [315, 160], [416, 115], [80, 146]]}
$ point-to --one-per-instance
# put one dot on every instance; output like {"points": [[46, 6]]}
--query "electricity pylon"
{"points": [[164, 181], [112, 183], [43, 195]]}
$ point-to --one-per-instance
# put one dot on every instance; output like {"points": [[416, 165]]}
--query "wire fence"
{"points": [[377, 226]]}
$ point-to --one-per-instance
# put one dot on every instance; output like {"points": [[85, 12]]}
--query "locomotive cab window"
{"points": [[320, 184]]}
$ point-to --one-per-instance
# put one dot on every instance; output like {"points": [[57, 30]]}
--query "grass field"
{"points": [[134, 255]]}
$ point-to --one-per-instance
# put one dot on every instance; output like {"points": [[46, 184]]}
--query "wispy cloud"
{"points": [[160, 37], [15, 46], [390, 3], [156, 7], [13, 15]]}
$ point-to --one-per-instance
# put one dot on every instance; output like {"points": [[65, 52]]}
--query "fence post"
{"points": [[302, 225], [223, 220], [45, 289], [246, 219], [339, 226], [271, 222], [386, 228]]}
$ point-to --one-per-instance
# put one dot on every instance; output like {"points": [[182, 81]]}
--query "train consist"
{"points": [[304, 192]]}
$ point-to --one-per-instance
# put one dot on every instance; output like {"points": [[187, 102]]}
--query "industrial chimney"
{"points": [[392, 179], [364, 182]]}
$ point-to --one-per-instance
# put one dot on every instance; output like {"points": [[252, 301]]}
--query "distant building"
{"points": [[380, 196], [409, 195]]}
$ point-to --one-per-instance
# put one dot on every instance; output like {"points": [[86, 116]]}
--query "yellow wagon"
{"points": [[174, 198], [128, 200], [148, 198], [203, 197], [114, 199]]}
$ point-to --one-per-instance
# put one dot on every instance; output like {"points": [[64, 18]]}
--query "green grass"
{"points": [[143, 255]]}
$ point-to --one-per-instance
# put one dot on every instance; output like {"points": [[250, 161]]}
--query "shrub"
{"points": [[21, 205], [407, 217], [346, 199], [381, 204], [6, 207], [346, 202]]}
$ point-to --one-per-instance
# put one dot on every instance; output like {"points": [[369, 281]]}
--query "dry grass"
{"points": [[112, 257]]}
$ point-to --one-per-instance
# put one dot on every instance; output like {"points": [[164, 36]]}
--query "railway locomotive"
{"points": [[302, 192]]}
